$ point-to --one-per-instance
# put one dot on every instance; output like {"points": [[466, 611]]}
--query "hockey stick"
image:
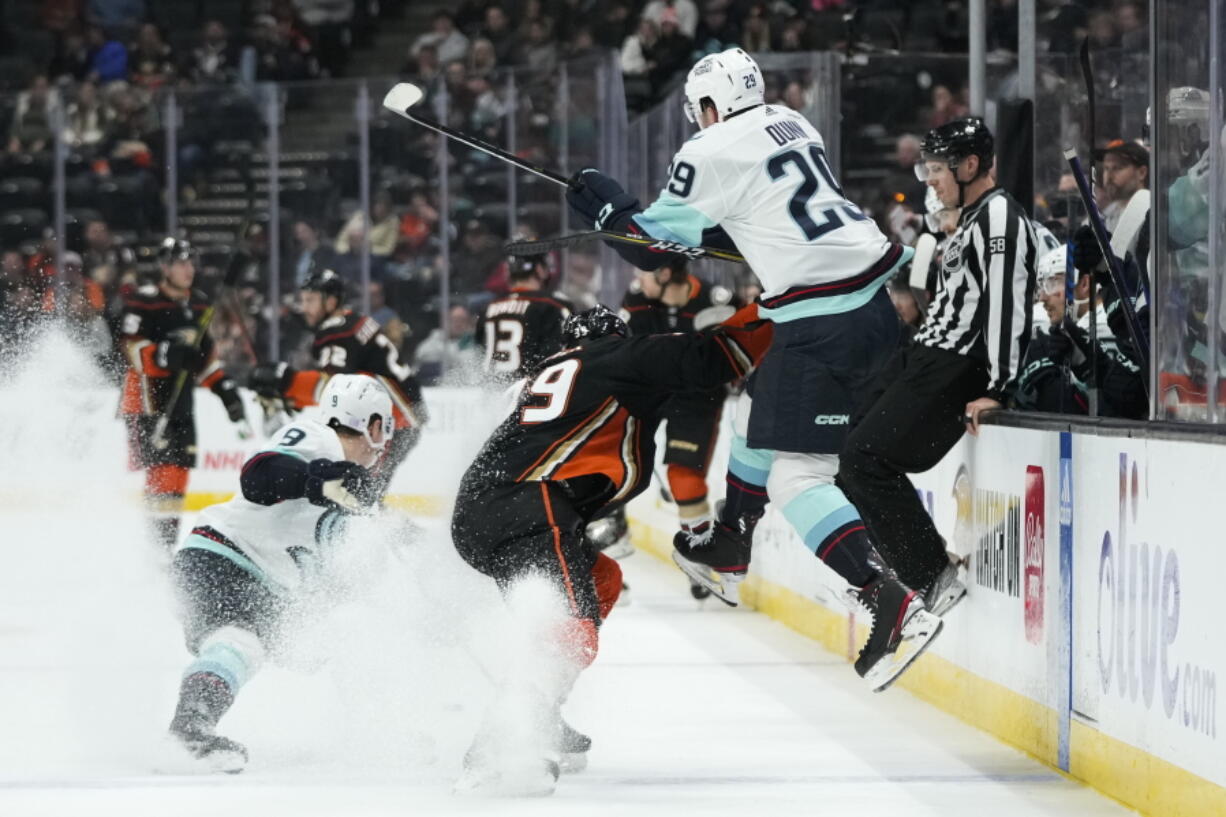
{"points": [[202, 326], [1087, 76], [404, 95], [1113, 264], [539, 246]]}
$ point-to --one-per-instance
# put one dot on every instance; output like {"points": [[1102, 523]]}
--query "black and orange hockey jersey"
{"points": [[351, 343], [588, 418], [521, 329], [149, 318]]}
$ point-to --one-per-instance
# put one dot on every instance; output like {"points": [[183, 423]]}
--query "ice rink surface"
{"points": [[692, 708]]}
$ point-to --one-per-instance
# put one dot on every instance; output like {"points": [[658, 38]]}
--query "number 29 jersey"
{"points": [[763, 177], [279, 543]]}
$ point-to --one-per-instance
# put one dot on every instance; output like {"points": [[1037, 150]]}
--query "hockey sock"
{"points": [[165, 486], [689, 487], [831, 527], [748, 469], [203, 699], [230, 654], [607, 575]]}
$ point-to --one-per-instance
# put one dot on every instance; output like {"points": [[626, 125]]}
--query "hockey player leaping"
{"points": [[250, 562], [759, 174]]}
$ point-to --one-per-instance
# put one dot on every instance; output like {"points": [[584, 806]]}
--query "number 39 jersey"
{"points": [[278, 543], [588, 418], [520, 330], [763, 177]]}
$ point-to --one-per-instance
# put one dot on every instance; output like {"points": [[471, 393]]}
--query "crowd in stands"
{"points": [[112, 58]]}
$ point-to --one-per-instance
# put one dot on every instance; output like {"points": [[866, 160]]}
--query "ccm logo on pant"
{"points": [[832, 419]]}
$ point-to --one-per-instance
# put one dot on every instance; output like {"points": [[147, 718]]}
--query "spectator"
{"points": [[487, 110], [331, 24], [671, 52], [795, 35], [902, 186], [150, 60], [945, 107], [106, 261], [348, 264], [31, 128], [497, 30], [420, 221], [756, 29], [87, 118], [582, 43], [482, 58], [1102, 31], [480, 252], [615, 24], [312, 254], [1134, 33], [538, 51], [456, 353], [716, 32], [391, 324], [637, 48], [1125, 171], [216, 59], [384, 233], [450, 43], [130, 126], [72, 56], [280, 55], [108, 57], [684, 12]]}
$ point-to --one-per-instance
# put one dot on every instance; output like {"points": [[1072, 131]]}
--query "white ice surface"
{"points": [[693, 709]]}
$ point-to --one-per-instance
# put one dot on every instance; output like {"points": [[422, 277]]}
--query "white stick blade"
{"points": [[404, 95]]}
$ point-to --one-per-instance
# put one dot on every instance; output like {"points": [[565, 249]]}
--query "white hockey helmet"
{"points": [[731, 79], [1051, 264], [353, 401]]}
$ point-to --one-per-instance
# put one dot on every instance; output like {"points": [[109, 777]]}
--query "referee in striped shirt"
{"points": [[964, 360]]}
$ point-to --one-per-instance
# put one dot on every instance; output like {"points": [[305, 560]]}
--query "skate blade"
{"points": [[176, 759], [724, 586], [948, 600], [919, 631]]}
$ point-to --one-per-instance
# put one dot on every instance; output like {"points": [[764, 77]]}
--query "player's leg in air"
{"points": [[803, 396], [691, 433], [513, 532], [229, 619]]}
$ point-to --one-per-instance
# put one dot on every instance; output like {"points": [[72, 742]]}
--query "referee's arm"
{"points": [[1006, 255]]}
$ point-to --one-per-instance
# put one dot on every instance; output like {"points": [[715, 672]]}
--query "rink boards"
{"points": [[1091, 637]]}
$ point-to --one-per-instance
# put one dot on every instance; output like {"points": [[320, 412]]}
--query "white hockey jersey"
{"points": [[763, 176], [280, 544]]}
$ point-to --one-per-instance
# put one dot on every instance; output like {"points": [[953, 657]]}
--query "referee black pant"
{"points": [[910, 418]]}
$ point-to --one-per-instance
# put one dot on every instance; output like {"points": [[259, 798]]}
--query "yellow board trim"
{"points": [[1135, 778], [421, 504]]}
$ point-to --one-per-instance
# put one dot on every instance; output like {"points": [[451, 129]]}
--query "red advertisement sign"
{"points": [[1036, 526]]}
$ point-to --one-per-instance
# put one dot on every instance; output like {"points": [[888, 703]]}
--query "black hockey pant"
{"points": [[909, 420]]}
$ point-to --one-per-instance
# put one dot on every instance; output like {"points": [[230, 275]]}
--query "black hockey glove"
{"points": [[342, 485], [175, 356], [1087, 255], [600, 201], [227, 390], [271, 379]]}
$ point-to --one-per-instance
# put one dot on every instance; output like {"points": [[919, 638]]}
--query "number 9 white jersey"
{"points": [[278, 543], [763, 176]]}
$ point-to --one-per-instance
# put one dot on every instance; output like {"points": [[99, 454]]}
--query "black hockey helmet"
{"points": [[175, 249], [326, 282], [520, 267], [592, 324], [955, 141]]}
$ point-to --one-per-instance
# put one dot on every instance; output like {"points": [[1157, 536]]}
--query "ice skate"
{"points": [[206, 753], [719, 567], [611, 535], [902, 630], [946, 590], [572, 747]]}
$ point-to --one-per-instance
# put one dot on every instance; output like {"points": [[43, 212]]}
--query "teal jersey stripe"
{"points": [[201, 543], [835, 304], [674, 220]]}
